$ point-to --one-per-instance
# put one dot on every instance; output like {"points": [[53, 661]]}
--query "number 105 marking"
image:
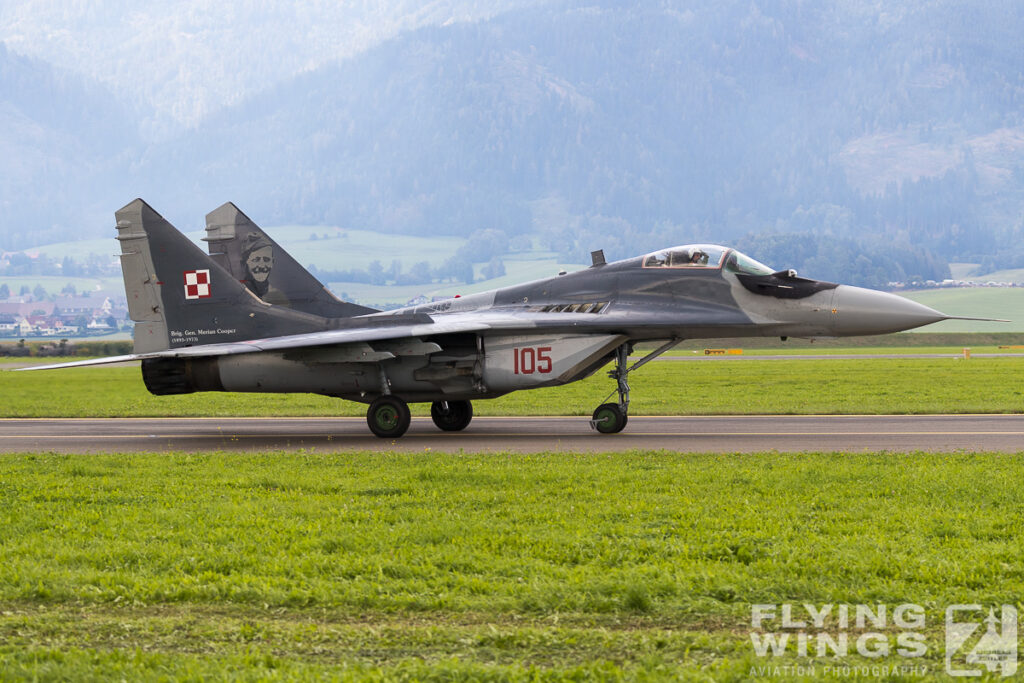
{"points": [[528, 360]]}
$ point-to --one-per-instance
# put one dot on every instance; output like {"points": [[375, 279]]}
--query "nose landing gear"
{"points": [[611, 418]]}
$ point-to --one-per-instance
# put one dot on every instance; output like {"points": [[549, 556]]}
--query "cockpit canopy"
{"points": [[705, 256]]}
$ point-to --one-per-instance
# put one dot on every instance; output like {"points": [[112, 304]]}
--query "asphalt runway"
{"points": [[523, 434]]}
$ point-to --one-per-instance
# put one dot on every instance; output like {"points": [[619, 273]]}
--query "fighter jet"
{"points": [[216, 324]]}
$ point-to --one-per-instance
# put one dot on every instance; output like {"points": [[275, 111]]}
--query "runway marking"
{"points": [[221, 435], [481, 418]]}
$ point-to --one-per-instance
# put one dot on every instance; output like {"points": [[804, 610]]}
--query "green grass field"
{"points": [[881, 386], [639, 565], [461, 566]]}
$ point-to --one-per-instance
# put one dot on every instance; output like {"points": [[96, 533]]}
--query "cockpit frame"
{"points": [[704, 257]]}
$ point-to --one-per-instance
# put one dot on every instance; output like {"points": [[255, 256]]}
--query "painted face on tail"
{"points": [[259, 263]]}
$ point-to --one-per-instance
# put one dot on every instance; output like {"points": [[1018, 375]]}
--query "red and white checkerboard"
{"points": [[197, 284]]}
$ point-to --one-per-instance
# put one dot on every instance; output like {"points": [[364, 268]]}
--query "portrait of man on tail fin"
{"points": [[258, 265]]}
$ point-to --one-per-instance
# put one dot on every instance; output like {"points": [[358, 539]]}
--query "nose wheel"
{"points": [[611, 418]]}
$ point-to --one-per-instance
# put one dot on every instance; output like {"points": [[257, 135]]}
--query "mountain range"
{"points": [[586, 124]]}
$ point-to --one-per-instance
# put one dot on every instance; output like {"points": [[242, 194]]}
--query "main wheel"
{"points": [[388, 417], [609, 418], [454, 418]]}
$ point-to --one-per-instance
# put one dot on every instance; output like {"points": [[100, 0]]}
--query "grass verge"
{"points": [[463, 566], [728, 387]]}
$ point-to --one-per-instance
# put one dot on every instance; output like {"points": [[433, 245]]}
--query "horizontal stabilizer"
{"points": [[83, 363]]}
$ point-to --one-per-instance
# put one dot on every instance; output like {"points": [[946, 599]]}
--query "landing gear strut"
{"points": [[451, 416], [611, 418], [388, 417]]}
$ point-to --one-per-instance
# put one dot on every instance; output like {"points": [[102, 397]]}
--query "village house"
{"points": [[12, 325], [92, 313]]}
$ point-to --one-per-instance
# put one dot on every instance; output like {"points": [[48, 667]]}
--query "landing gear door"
{"points": [[524, 361]]}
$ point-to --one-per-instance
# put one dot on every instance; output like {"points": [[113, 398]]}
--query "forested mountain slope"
{"points": [[598, 125]]}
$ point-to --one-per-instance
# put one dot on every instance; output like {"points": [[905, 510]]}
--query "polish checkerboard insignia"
{"points": [[197, 284]]}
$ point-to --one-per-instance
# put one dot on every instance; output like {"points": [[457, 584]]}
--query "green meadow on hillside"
{"points": [[335, 248], [978, 302]]}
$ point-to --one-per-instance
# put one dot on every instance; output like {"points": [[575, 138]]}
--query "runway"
{"points": [[523, 434]]}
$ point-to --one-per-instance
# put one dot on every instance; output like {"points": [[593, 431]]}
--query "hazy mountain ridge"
{"points": [[612, 114], [62, 140], [628, 129], [185, 60]]}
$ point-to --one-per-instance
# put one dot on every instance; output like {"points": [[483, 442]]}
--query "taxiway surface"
{"points": [[524, 434]]}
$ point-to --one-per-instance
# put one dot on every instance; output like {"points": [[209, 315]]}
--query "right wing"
{"points": [[310, 340]]}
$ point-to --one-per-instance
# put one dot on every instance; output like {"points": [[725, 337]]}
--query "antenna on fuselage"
{"points": [[597, 258]]}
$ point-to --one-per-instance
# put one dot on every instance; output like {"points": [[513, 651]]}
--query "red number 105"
{"points": [[528, 360]]}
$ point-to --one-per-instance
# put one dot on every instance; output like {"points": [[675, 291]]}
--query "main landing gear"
{"points": [[611, 418], [451, 416], [388, 416]]}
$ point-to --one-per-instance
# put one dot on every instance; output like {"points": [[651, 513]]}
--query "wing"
{"points": [[328, 339]]}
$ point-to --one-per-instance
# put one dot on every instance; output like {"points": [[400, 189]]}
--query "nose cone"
{"points": [[867, 311]]}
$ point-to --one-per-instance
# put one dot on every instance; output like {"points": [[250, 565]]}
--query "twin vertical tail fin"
{"points": [[178, 296], [241, 247]]}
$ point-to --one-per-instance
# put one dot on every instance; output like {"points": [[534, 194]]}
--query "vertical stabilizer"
{"points": [[178, 296], [242, 248], [141, 286]]}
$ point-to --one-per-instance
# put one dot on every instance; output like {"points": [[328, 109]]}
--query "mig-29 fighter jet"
{"points": [[251, 319]]}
